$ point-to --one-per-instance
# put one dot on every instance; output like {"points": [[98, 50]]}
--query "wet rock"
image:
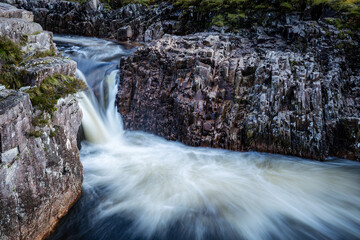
{"points": [[16, 29], [28, 34], [124, 33], [41, 41], [93, 5], [263, 93]]}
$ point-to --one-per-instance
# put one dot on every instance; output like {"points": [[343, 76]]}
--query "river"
{"points": [[140, 186]]}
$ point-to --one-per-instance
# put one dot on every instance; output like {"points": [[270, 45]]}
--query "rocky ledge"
{"points": [[292, 90], [40, 169]]}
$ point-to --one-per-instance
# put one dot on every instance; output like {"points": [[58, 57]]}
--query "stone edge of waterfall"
{"points": [[242, 93], [40, 170]]}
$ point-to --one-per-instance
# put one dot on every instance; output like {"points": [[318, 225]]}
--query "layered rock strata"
{"points": [[290, 90], [40, 169]]}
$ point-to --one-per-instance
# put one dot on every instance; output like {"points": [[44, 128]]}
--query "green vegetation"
{"points": [[39, 54], [44, 96], [10, 52], [53, 133], [350, 9], [40, 120], [53, 88], [218, 20], [10, 58], [34, 133], [232, 12]]}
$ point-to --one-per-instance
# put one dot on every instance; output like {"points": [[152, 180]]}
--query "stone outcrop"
{"points": [[293, 89], [40, 176], [22, 31], [40, 169], [7, 11], [40, 68], [133, 22]]}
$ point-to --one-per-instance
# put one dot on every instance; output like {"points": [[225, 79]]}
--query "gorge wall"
{"points": [[40, 169], [134, 22], [292, 89], [290, 86]]}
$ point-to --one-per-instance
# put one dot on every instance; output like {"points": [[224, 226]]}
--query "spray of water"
{"points": [[167, 190]]}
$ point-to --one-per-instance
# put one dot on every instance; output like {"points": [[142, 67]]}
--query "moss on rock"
{"points": [[10, 52], [53, 88], [10, 58]]}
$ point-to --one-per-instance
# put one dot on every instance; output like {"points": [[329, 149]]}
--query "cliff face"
{"points": [[293, 90], [40, 169], [132, 22], [40, 177]]}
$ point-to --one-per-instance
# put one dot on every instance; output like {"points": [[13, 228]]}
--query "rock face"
{"points": [[132, 22], [40, 169], [40, 177], [7, 11], [23, 31], [296, 92], [40, 68]]}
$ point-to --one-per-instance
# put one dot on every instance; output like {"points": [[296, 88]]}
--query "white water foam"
{"points": [[157, 183]]}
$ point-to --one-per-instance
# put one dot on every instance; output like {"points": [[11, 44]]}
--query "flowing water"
{"points": [[139, 186]]}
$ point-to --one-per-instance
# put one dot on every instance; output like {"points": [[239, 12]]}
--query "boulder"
{"points": [[8, 11], [17, 29], [124, 33], [134, 22]]}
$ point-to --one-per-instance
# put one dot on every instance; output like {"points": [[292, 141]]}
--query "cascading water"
{"points": [[100, 118], [139, 186]]}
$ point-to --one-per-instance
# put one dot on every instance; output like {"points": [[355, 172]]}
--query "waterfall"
{"points": [[100, 117], [140, 186]]}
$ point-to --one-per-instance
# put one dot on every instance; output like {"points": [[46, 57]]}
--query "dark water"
{"points": [[139, 186]]}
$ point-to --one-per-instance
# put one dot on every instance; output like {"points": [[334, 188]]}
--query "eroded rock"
{"points": [[260, 93], [8, 11], [39, 69], [40, 169], [40, 177]]}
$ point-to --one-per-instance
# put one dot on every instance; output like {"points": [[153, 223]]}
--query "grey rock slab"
{"points": [[8, 11], [16, 29], [40, 68]]}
